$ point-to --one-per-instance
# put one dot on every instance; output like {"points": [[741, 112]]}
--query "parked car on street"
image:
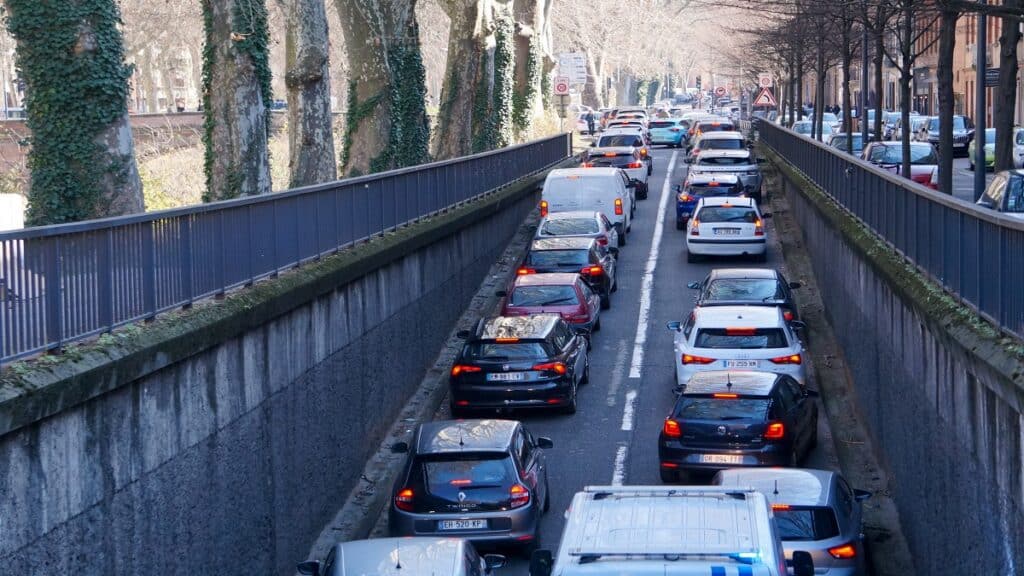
{"points": [[726, 227], [419, 556], [990, 149], [583, 256], [747, 287], [915, 123], [963, 133], [840, 141], [889, 156], [1005, 193], [560, 293]]}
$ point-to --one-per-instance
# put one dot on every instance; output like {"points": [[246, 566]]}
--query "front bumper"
{"points": [[507, 527]]}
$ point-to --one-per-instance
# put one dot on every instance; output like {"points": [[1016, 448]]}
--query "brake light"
{"points": [[775, 431], [672, 429], [684, 197], [506, 340], [844, 552], [404, 499], [726, 396], [788, 316], [618, 206], [635, 165], [695, 228], [543, 208], [461, 482], [460, 369], [791, 359], [780, 507], [696, 151], [609, 155], [519, 496], [556, 367], [592, 271], [523, 271], [587, 165], [690, 359], [713, 184], [740, 331], [674, 129]]}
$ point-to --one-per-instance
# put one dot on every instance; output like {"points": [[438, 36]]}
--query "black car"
{"points": [[748, 287], [584, 256], [535, 361], [625, 157], [732, 419]]}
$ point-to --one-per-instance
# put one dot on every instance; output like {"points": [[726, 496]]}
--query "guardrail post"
{"points": [[52, 277], [148, 272], [105, 280], [219, 272], [186, 261]]}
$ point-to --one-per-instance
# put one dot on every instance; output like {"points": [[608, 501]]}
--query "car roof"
{"points": [[722, 135], [419, 555], [742, 382], [563, 243], [532, 327], [744, 273], [546, 279], [612, 149], [448, 436], [738, 316], [793, 486], [583, 172], [721, 201], [716, 153], [572, 214]]}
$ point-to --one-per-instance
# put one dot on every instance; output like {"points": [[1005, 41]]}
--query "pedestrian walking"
{"points": [[590, 122]]}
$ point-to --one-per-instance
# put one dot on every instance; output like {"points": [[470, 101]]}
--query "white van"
{"points": [[669, 531], [605, 190], [420, 556]]}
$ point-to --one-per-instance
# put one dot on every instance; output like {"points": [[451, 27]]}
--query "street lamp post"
{"points": [[979, 105]]}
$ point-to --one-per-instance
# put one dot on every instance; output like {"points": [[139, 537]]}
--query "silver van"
{"points": [[404, 557]]}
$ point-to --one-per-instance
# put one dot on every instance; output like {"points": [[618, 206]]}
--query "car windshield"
{"points": [[710, 408], [803, 127], [716, 214], [921, 155], [816, 523], [619, 140], [740, 338], [569, 226], [505, 350], [661, 124], [558, 257], [958, 124], [892, 117], [839, 141], [829, 117], [744, 289], [544, 296], [722, 161], [723, 144]]}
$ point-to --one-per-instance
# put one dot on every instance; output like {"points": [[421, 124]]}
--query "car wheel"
{"points": [[669, 476], [615, 283], [606, 301], [622, 237], [547, 495], [586, 372], [644, 191], [692, 258], [680, 225], [571, 407]]}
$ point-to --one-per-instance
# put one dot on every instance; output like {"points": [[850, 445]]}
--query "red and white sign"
{"points": [[720, 91], [765, 98], [561, 85], [765, 80]]}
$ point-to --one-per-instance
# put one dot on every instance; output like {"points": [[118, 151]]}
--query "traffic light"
{"points": [[698, 82]]}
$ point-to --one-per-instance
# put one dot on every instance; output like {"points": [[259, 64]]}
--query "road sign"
{"points": [[765, 98], [765, 80], [574, 66], [561, 85], [991, 77], [720, 91]]}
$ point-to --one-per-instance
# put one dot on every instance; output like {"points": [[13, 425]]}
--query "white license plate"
{"points": [[721, 459], [505, 376], [461, 524], [727, 231], [741, 363]]}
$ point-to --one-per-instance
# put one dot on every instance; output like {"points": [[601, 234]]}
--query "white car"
{"points": [[726, 227], [740, 338]]}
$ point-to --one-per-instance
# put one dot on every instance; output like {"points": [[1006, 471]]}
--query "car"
{"points": [[483, 480], [840, 141], [635, 137], [564, 294], [418, 556], [915, 123], [831, 122], [963, 132], [747, 287], [815, 511], [625, 157], [1005, 194], [889, 156], [697, 186], [739, 338], [582, 224], [716, 141], [605, 190], [990, 149], [739, 162], [716, 125], [668, 131], [737, 418], [583, 256], [726, 227], [804, 128]]}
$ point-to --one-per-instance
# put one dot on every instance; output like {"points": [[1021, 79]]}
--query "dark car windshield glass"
{"points": [[885, 154], [958, 124], [558, 257], [661, 124], [619, 140], [807, 524], [567, 226], [745, 289], [741, 339], [482, 478], [616, 161], [723, 161], [722, 144], [713, 191], [505, 350], [739, 214], [544, 296], [803, 127], [715, 127], [705, 408]]}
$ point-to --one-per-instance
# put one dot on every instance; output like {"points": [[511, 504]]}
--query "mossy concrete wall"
{"points": [[940, 389], [221, 440]]}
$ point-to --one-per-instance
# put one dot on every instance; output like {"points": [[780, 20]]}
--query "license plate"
{"points": [[721, 459], [727, 231], [741, 363], [505, 376], [461, 524]]}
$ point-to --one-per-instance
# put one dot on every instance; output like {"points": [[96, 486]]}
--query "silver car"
{"points": [[739, 162], [815, 511], [582, 224], [483, 480], [403, 557]]}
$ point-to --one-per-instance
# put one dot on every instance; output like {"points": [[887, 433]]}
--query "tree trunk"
{"points": [[906, 76], [147, 71], [847, 106], [310, 130], [236, 95], [879, 39], [1005, 95], [468, 37], [592, 91], [532, 50], [944, 76], [386, 122]]}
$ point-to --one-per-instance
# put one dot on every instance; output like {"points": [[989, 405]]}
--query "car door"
{"points": [[602, 256], [530, 471], [565, 342], [802, 408], [609, 230], [592, 300]]}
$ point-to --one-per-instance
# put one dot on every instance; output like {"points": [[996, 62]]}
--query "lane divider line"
{"points": [[618, 371], [619, 474], [627, 412]]}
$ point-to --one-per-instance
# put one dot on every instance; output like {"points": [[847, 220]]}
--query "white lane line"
{"points": [[636, 366], [619, 474], [627, 412], [618, 373]]}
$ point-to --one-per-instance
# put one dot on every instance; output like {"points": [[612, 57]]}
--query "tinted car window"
{"points": [[758, 290], [722, 144], [714, 214], [806, 523], [884, 154], [483, 478], [704, 408], [743, 339], [558, 257], [1015, 198], [543, 296], [702, 190], [505, 350], [614, 161], [568, 226], [715, 127], [661, 124], [619, 140], [722, 161]]}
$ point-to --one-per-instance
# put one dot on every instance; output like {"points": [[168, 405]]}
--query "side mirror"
{"points": [[541, 563], [400, 448], [494, 561], [693, 285], [676, 326], [501, 293], [761, 160], [803, 564], [677, 188], [797, 325], [766, 215], [808, 393], [632, 184], [309, 568], [462, 334], [861, 495], [795, 285], [545, 443]]}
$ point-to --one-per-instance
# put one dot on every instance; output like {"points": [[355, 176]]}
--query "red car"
{"points": [[565, 294]]}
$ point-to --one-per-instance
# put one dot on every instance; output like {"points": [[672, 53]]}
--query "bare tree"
{"points": [[1005, 95]]}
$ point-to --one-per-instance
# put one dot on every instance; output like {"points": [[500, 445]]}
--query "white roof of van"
{"points": [[583, 172]]}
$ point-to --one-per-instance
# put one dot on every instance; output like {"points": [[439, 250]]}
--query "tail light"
{"points": [[788, 316], [592, 271], [843, 552], [519, 496], [684, 197], [695, 229], [696, 151], [672, 429], [556, 367], [674, 129], [404, 499], [618, 206], [643, 152], [791, 359], [523, 271], [602, 240], [543, 208], [578, 317], [460, 369], [775, 431], [922, 178], [586, 165], [635, 165], [758, 228], [691, 359]]}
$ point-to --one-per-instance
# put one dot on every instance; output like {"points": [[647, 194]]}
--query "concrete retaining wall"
{"points": [[225, 446], [941, 395]]}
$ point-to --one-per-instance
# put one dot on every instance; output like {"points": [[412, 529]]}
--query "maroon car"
{"points": [[565, 294]]}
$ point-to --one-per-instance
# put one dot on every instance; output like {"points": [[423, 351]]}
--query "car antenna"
{"points": [[776, 492], [728, 381], [398, 556], [461, 443]]}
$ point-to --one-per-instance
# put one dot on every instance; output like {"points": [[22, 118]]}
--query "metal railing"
{"points": [[71, 281], [976, 254]]}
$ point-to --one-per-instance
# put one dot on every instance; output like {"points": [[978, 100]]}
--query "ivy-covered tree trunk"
{"points": [[236, 98], [386, 121], [82, 160], [493, 106], [468, 37], [532, 59], [310, 128]]}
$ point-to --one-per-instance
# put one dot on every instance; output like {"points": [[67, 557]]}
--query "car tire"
{"points": [[692, 258], [643, 192], [547, 496], [615, 284], [571, 407], [622, 237], [586, 372], [597, 325], [606, 301], [680, 225], [669, 476]]}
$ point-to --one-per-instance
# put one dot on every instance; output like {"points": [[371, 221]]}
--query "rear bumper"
{"points": [[498, 395], [674, 455], [719, 247], [514, 526]]}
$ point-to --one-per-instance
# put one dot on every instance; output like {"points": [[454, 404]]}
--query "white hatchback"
{"points": [[740, 338], [726, 227]]}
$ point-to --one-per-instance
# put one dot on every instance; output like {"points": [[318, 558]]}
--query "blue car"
{"points": [[668, 131], [699, 186]]}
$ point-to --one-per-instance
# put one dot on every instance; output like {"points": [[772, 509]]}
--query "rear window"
{"points": [[722, 161], [744, 289], [884, 154], [722, 144], [716, 214], [544, 296], [447, 483], [505, 350], [714, 191], [815, 523], [715, 127], [614, 161], [568, 226], [744, 339], [661, 124], [558, 257], [619, 140], [708, 408]]}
